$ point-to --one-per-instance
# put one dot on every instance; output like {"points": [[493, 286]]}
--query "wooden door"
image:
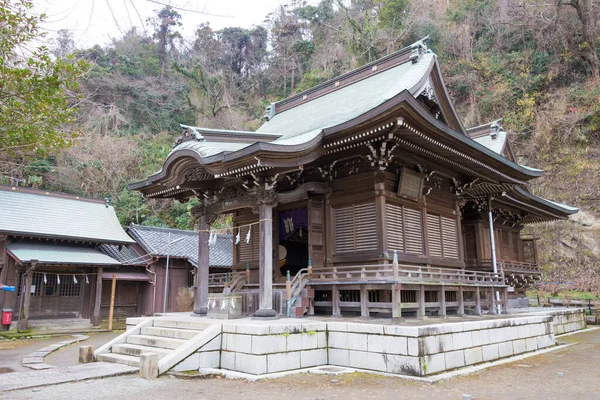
{"points": [[316, 233]]}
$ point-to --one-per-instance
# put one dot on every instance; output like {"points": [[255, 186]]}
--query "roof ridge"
{"points": [[395, 58], [166, 230], [59, 195]]}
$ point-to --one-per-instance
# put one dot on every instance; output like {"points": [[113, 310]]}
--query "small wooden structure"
{"points": [[55, 249], [381, 200]]}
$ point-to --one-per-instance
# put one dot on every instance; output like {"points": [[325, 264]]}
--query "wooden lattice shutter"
{"points": [[355, 228], [364, 228], [413, 230], [395, 227], [450, 237], [434, 236], [344, 229], [248, 251]]}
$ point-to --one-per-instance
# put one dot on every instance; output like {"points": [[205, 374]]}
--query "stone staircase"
{"points": [[160, 336]]}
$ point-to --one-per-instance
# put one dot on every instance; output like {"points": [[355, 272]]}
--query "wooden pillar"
{"points": [[201, 299], [505, 300], [477, 301], [492, 301], [96, 314], [335, 302], [421, 310], [380, 226], [364, 299], [265, 268], [461, 302], [442, 294], [26, 293]]}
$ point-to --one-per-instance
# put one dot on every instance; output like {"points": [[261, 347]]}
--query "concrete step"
{"points": [[119, 359], [169, 332], [155, 341], [136, 349], [181, 324]]}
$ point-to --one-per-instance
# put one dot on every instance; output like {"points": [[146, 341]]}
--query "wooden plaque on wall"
{"points": [[410, 185]]}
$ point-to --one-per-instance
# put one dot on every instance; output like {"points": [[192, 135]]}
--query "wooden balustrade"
{"points": [[503, 266]]}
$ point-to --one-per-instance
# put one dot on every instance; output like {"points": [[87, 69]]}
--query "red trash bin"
{"points": [[7, 314]]}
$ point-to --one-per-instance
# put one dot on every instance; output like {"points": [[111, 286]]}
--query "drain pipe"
{"points": [[493, 247]]}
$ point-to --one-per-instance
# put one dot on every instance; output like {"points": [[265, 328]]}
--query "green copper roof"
{"points": [[37, 214], [350, 101], [46, 253]]}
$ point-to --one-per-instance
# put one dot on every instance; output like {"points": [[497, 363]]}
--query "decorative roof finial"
{"points": [[270, 112], [496, 128], [418, 48], [188, 133]]}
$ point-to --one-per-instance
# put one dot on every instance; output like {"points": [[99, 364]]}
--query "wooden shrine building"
{"points": [[371, 192], [55, 249]]}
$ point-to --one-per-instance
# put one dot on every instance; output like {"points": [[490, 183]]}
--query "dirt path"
{"points": [[533, 378]]}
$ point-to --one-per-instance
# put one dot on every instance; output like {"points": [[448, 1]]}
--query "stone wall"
{"points": [[566, 320], [422, 351]]}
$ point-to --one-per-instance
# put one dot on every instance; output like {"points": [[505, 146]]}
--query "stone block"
{"points": [[365, 328], [545, 341], [339, 357], [238, 343], [531, 344], [455, 359], [149, 365], [490, 352], [462, 340], [519, 346], [505, 349], [213, 345], [480, 338], [314, 326], [397, 330], [191, 363], [473, 356], [283, 361], [313, 358], [438, 343], [86, 354], [510, 333], [434, 363], [228, 360], [229, 328], [496, 335], [252, 329], [251, 364], [337, 326], [209, 359], [387, 344], [321, 339], [403, 365], [366, 360], [413, 348], [268, 344], [523, 331]]}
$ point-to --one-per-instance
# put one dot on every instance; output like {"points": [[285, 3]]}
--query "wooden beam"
{"points": [[97, 299], [477, 301], [26, 298], [201, 299], [112, 301], [492, 302], [442, 294]]}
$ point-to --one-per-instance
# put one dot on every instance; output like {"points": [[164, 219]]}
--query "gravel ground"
{"points": [[569, 373]]}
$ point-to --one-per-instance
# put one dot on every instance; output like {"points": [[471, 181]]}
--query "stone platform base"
{"points": [[414, 348]]}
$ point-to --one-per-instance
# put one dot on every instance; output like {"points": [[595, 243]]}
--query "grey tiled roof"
{"points": [[124, 254], [155, 241], [35, 213]]}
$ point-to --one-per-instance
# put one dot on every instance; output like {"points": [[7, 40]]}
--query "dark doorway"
{"points": [[293, 236]]}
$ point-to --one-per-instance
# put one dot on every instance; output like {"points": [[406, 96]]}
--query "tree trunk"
{"points": [[584, 11]]}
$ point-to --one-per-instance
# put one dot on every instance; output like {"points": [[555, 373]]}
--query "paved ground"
{"points": [[13, 351], [568, 373]]}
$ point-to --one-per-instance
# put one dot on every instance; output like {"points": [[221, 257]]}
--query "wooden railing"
{"points": [[503, 266], [219, 279], [405, 274]]}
